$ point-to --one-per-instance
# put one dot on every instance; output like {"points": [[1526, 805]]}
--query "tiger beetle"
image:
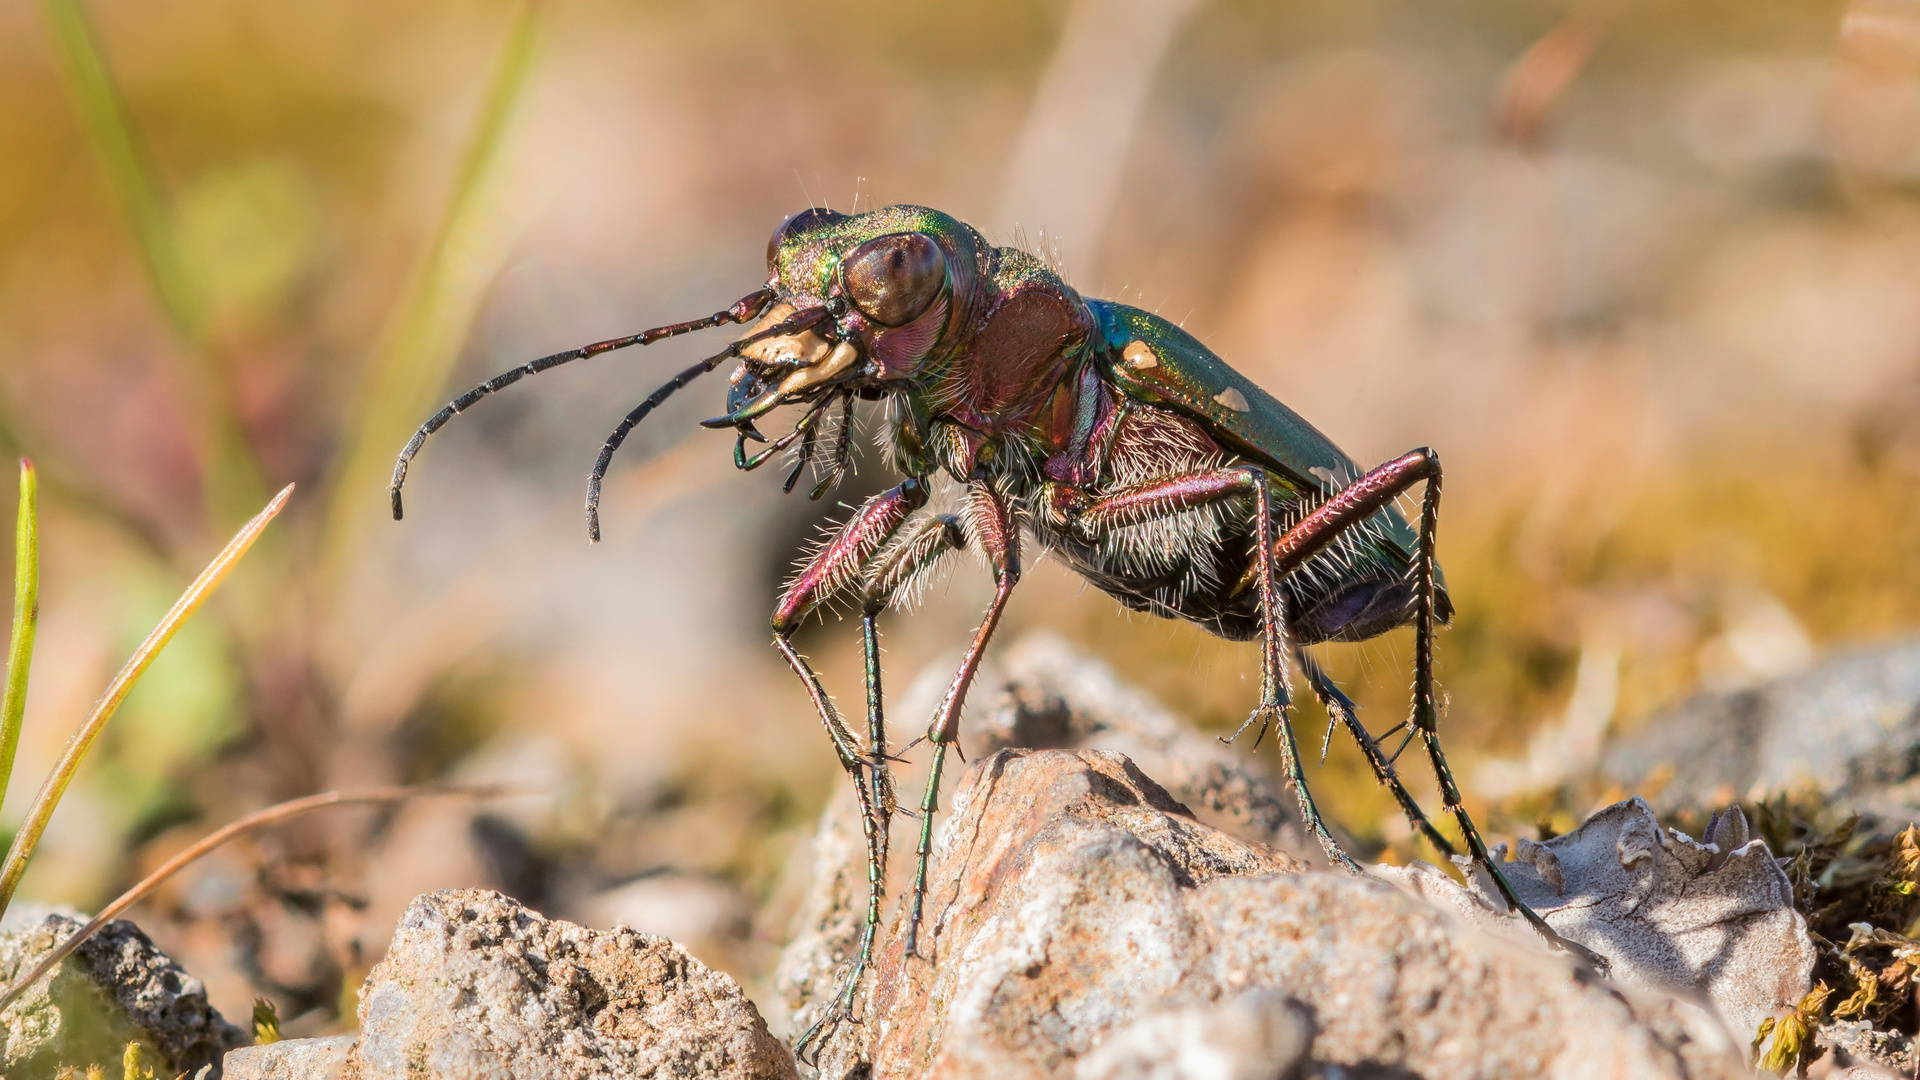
{"points": [[1109, 435]]}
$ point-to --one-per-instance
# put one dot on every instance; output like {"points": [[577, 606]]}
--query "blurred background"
{"points": [[1647, 275]]}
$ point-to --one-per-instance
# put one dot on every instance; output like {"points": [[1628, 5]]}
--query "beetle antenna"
{"points": [[620, 433], [794, 323], [748, 308]]}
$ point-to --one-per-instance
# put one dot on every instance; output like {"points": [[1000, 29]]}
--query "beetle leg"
{"points": [[1341, 710], [835, 567], [842, 453], [1274, 696], [993, 525], [894, 575], [874, 827], [1174, 494], [1351, 505], [888, 573]]}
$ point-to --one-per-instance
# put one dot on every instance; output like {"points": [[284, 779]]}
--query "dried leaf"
{"points": [[1905, 864], [1866, 992]]}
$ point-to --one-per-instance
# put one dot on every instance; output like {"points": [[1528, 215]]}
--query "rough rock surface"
{"points": [[291, 1059], [476, 985], [1260, 1035], [1077, 915], [1854, 1044], [1048, 697], [1054, 698], [116, 988], [1850, 727], [1670, 913]]}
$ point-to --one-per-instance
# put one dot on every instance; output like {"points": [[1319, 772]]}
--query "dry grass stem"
{"points": [[63, 772], [272, 815]]}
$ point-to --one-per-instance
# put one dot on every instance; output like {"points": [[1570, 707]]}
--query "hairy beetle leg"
{"points": [[1350, 506], [1275, 695], [884, 554], [999, 538], [834, 568], [1279, 557], [1176, 494], [840, 1005], [1426, 714]]}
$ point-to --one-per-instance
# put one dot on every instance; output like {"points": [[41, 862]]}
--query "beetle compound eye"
{"points": [[796, 224], [894, 279]]}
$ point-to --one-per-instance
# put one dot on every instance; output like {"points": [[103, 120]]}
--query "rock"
{"points": [[830, 920], [1052, 697], [1668, 912], [1256, 1036], [476, 985], [825, 933], [115, 989], [1043, 695], [1075, 910], [1855, 1044], [1842, 1067], [291, 1059], [434, 844], [1850, 728]]}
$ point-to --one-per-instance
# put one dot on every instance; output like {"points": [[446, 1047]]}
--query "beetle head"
{"points": [[892, 285]]}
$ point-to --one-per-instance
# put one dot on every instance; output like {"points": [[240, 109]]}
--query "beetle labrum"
{"points": [[1161, 475]]}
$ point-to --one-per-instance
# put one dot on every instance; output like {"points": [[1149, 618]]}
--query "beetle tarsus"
{"points": [[1338, 704]]}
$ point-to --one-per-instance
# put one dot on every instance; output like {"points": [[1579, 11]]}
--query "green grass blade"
{"points": [[231, 478], [26, 619], [63, 772], [104, 116], [427, 328]]}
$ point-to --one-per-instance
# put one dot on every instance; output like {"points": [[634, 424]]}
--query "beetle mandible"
{"points": [[1163, 476]]}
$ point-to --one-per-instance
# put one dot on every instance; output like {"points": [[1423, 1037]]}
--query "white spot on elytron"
{"points": [[1233, 399], [1138, 356], [1325, 474]]}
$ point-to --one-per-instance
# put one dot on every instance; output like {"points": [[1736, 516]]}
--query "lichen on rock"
{"points": [[115, 989]]}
